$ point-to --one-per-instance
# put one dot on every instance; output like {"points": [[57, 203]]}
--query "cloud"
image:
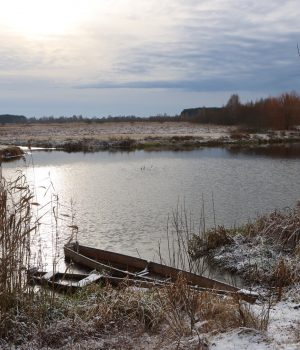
{"points": [[214, 45], [183, 46]]}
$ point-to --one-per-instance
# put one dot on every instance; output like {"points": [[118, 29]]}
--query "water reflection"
{"points": [[288, 151]]}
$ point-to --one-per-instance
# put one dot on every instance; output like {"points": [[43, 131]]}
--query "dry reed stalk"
{"points": [[280, 227], [17, 226], [180, 232]]}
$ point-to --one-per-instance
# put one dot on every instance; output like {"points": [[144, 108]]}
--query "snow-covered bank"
{"points": [[265, 253], [283, 330]]}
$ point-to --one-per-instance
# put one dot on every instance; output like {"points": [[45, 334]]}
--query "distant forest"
{"points": [[109, 119], [281, 113], [11, 118]]}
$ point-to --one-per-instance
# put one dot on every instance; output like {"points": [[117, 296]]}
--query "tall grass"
{"points": [[17, 225]]}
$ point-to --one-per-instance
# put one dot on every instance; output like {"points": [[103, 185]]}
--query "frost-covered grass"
{"points": [[124, 317], [264, 252], [102, 317]]}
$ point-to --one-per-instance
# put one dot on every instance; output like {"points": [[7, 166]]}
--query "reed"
{"points": [[24, 311], [181, 229], [17, 226]]}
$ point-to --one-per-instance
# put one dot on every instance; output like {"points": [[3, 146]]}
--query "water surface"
{"points": [[123, 200]]}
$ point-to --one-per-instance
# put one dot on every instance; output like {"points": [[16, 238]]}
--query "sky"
{"points": [[144, 57]]}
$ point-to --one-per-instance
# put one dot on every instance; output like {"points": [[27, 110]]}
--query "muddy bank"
{"points": [[8, 153]]}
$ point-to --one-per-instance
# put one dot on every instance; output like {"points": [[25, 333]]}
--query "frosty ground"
{"points": [[135, 135]]}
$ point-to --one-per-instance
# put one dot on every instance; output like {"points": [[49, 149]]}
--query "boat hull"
{"points": [[124, 266]]}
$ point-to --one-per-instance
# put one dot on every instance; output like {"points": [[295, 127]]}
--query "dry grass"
{"points": [[280, 227], [238, 135], [118, 307], [201, 245], [168, 315], [264, 252], [121, 317], [187, 310]]}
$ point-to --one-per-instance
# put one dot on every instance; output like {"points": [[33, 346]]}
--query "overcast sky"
{"points": [[144, 57]]}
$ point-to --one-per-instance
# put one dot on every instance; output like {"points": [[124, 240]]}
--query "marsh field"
{"points": [[105, 130], [94, 136]]}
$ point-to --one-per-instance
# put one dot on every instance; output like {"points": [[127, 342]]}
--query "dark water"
{"points": [[123, 200]]}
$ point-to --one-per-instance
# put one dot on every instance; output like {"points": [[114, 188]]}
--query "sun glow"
{"points": [[40, 18]]}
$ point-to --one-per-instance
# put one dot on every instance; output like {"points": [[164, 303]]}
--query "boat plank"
{"points": [[48, 275], [92, 278]]}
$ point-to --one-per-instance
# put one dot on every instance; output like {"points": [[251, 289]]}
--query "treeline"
{"points": [[282, 112], [12, 119], [80, 118]]}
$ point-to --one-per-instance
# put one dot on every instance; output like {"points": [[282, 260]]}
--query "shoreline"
{"points": [[173, 136]]}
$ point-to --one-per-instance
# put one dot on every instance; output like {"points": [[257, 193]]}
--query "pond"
{"points": [[122, 201]]}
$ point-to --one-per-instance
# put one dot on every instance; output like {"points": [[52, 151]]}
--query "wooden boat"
{"points": [[60, 281], [124, 266], [71, 282]]}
